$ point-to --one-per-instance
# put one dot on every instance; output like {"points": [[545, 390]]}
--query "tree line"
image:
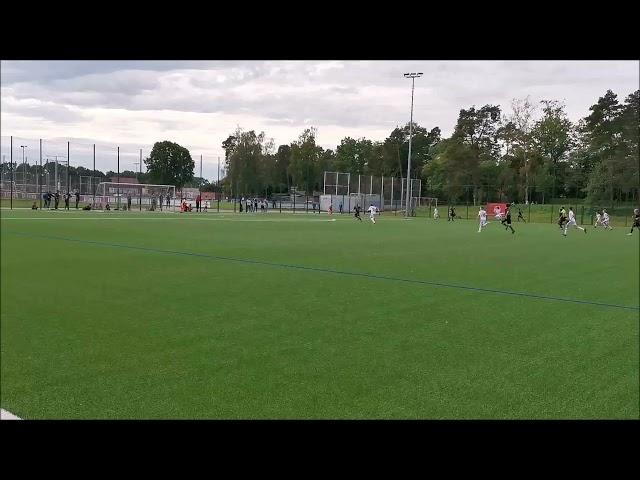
{"points": [[533, 152]]}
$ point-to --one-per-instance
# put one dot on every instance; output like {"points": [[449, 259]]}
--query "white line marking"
{"points": [[4, 415]]}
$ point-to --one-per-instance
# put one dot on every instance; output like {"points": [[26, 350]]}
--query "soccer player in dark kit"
{"points": [[636, 220], [356, 209], [507, 220], [562, 219]]}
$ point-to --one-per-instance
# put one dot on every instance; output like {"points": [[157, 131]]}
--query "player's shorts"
{"points": [[636, 223], [571, 222]]}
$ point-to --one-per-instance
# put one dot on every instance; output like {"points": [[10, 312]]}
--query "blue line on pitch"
{"points": [[327, 270]]}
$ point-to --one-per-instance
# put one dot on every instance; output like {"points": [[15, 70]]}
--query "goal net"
{"points": [[135, 196], [422, 205]]}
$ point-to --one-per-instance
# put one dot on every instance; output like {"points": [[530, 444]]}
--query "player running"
{"points": [[372, 212], [598, 220], [507, 220], [636, 220], [572, 222], [356, 209], [520, 217], [605, 220], [452, 214], [482, 214], [562, 219], [497, 213]]}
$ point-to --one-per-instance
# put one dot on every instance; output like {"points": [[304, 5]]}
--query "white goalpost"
{"points": [[134, 196], [424, 204]]}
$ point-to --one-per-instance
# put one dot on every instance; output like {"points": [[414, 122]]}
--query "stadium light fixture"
{"points": [[413, 77]]}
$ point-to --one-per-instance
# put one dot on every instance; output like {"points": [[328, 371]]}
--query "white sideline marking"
{"points": [[4, 415]]}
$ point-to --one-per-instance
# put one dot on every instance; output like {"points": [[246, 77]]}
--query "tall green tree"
{"points": [[246, 160], [353, 156], [553, 138], [282, 179], [602, 149], [463, 157], [305, 166], [170, 164]]}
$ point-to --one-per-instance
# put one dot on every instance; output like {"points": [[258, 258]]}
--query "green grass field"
{"points": [[157, 315]]}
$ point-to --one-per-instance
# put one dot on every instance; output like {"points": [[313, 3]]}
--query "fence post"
{"points": [[467, 210], [529, 217], [582, 215], [40, 177], [551, 207], [11, 174], [306, 203], [280, 203]]}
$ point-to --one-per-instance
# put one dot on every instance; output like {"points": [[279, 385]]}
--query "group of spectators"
{"points": [[50, 196], [249, 205]]}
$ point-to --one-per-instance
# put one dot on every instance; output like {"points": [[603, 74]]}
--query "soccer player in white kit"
{"points": [[436, 215], [598, 220], [482, 214], [372, 212], [605, 220], [572, 222]]}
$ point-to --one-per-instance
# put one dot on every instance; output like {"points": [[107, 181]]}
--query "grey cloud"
{"points": [[52, 113], [51, 70], [360, 94]]}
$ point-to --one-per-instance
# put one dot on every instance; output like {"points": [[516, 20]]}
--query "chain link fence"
{"points": [[33, 169]]}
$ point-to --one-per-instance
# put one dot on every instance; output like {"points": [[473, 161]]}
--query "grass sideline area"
{"points": [[111, 315], [621, 216]]}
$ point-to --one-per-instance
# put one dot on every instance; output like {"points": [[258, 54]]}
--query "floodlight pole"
{"points": [[118, 206], [413, 77], [24, 183], [11, 173], [39, 177], [68, 170], [93, 184], [140, 171]]}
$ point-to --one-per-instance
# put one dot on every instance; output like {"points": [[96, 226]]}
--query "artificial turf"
{"points": [[161, 315]]}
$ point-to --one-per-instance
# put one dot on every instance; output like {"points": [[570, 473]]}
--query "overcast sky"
{"points": [[199, 103]]}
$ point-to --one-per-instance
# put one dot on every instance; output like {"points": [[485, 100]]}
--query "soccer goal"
{"points": [[140, 196], [422, 206]]}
